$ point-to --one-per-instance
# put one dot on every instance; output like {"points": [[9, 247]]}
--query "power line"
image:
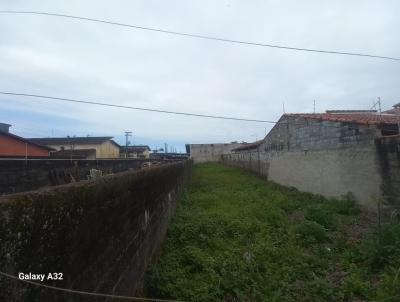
{"points": [[169, 112], [79, 292], [202, 36], [135, 108]]}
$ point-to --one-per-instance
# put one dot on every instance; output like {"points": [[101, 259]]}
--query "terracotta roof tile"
{"points": [[359, 118]]}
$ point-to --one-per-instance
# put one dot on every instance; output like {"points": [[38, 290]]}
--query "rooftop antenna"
{"points": [[284, 107]]}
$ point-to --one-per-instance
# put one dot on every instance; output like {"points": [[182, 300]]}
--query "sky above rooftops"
{"points": [[89, 61]]}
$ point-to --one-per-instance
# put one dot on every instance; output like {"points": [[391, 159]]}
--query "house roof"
{"points": [[76, 152], [72, 140], [135, 149], [249, 146], [350, 111], [359, 118], [24, 140]]}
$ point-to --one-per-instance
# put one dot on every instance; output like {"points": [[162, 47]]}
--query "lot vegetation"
{"points": [[237, 237]]}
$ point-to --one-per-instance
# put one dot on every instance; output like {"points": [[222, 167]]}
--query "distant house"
{"points": [[91, 146], [141, 151], [15, 146]]}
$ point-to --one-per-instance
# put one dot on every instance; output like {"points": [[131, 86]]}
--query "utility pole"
{"points": [[379, 104], [165, 148], [380, 109], [127, 135], [314, 106]]}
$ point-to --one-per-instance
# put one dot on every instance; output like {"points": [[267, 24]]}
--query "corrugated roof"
{"points": [[71, 140], [359, 118]]}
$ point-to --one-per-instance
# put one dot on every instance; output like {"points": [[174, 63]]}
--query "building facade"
{"points": [[17, 147], [104, 147]]}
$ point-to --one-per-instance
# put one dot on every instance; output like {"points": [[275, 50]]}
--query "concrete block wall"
{"points": [[18, 175], [201, 153], [370, 172], [100, 234], [296, 133], [331, 172]]}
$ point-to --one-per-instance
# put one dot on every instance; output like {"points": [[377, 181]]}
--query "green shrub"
{"points": [[347, 205], [390, 285], [322, 216], [310, 232], [382, 248]]}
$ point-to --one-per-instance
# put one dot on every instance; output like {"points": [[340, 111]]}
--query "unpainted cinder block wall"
{"points": [[100, 234]]}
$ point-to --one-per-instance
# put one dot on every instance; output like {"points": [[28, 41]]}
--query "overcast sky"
{"points": [[92, 61]]}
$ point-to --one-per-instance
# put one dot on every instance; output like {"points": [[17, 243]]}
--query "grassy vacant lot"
{"points": [[236, 237]]}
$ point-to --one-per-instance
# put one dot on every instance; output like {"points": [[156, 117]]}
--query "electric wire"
{"points": [[133, 108], [306, 124], [198, 36]]}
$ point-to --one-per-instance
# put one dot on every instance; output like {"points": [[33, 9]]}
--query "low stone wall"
{"points": [[100, 234], [332, 172], [18, 175]]}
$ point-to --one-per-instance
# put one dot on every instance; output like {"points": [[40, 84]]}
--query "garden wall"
{"points": [[18, 175], [101, 234], [331, 172]]}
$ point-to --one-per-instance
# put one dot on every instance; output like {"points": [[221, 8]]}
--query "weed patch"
{"points": [[237, 237]]}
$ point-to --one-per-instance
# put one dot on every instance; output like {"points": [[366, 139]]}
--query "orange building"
{"points": [[15, 146]]}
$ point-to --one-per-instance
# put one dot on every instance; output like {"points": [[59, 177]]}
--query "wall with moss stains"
{"points": [[18, 175], [100, 234]]}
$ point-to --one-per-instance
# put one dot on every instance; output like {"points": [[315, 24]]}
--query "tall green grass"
{"points": [[236, 237]]}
